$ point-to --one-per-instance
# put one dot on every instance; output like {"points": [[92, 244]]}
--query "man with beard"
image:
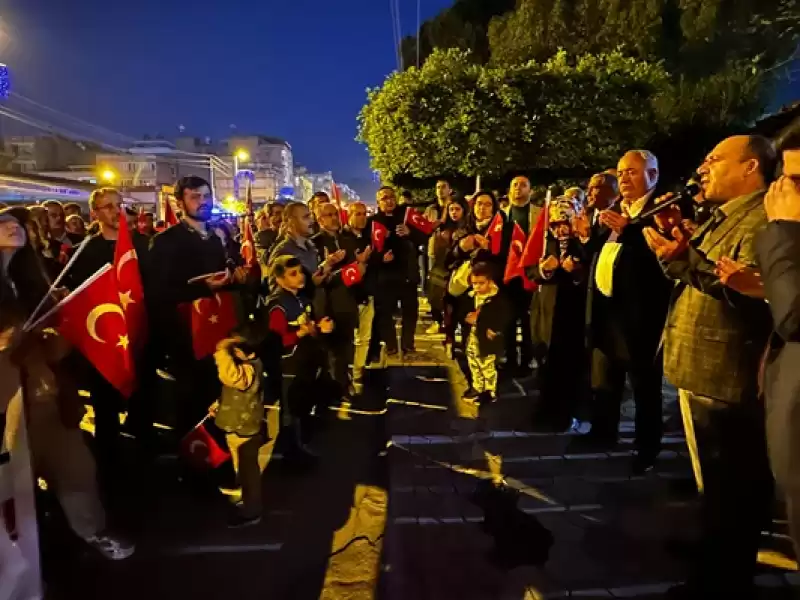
{"points": [[397, 277], [179, 256], [524, 213]]}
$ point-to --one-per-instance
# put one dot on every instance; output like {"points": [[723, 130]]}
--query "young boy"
{"points": [[294, 333], [489, 319], [241, 415]]}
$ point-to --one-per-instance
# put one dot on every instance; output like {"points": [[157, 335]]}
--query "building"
{"points": [[267, 162], [32, 154]]}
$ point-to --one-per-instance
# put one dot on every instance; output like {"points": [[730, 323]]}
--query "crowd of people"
{"points": [[587, 288]]}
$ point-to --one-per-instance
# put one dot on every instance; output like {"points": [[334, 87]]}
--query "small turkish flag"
{"points": [[379, 235], [351, 274], [534, 247], [129, 285], [201, 449], [248, 250], [93, 321], [417, 220], [210, 321], [495, 233], [514, 266]]}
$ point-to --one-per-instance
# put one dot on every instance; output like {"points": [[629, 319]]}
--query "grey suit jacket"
{"points": [[714, 336]]}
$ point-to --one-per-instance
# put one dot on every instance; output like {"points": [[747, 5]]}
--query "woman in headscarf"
{"points": [[454, 226], [557, 318], [32, 380]]}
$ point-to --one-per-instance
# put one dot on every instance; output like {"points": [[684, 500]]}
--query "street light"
{"points": [[240, 155], [108, 175]]}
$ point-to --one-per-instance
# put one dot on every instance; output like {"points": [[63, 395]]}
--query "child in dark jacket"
{"points": [[294, 336], [488, 321], [241, 415]]}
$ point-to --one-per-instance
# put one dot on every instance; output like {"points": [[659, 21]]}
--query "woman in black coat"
{"points": [[557, 318], [454, 226]]}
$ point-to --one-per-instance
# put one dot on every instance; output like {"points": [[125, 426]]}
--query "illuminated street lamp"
{"points": [[240, 155], [108, 175]]}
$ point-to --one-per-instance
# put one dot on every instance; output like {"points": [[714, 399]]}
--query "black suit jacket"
{"points": [[636, 312]]}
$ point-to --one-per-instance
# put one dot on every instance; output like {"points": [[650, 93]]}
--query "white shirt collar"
{"points": [[634, 208]]}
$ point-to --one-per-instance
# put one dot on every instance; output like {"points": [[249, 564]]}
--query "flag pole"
{"points": [[56, 283]]}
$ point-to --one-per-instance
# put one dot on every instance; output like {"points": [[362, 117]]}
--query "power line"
{"points": [[419, 25], [394, 34]]}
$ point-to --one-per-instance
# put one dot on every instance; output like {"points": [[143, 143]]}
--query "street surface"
{"points": [[391, 511]]}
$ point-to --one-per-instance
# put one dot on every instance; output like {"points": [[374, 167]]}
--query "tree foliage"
{"points": [[454, 116]]}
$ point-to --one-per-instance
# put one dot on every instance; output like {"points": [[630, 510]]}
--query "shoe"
{"points": [[433, 329], [471, 394], [112, 547], [238, 521], [643, 462], [486, 398]]}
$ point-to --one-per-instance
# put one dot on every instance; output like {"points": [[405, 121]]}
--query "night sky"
{"points": [[296, 69]]}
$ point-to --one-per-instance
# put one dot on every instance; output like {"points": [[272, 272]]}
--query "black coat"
{"points": [[340, 298], [405, 266], [638, 309], [558, 305], [778, 247], [495, 315]]}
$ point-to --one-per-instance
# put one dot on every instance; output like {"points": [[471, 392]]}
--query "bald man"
{"points": [[628, 300], [713, 342]]}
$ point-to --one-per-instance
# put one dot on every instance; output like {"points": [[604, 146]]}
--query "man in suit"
{"points": [[524, 213], [713, 340], [778, 248], [626, 307]]}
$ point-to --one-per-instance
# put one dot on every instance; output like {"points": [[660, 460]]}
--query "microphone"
{"points": [[685, 197]]}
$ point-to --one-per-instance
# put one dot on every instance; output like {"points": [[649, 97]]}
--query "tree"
{"points": [[565, 115]]}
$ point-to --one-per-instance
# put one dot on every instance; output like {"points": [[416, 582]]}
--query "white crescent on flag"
{"points": [[97, 312], [193, 448], [129, 255], [516, 245]]}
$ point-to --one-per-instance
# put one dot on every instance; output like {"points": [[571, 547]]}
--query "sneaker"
{"points": [[486, 398], [112, 547], [238, 521]]}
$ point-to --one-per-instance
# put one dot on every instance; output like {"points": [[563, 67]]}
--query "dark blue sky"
{"points": [[296, 69]]}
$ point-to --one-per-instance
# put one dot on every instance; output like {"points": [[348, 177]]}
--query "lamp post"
{"points": [[239, 155], [108, 175]]}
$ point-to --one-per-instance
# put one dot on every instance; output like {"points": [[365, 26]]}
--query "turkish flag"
{"points": [[169, 215], [210, 320], [417, 220], [534, 248], [93, 321], [351, 274], [201, 447], [514, 262], [495, 234], [129, 285], [248, 250], [379, 235]]}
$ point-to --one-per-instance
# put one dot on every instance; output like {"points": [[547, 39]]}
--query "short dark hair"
{"points": [[482, 269], [385, 187], [190, 182], [47, 203], [320, 194], [100, 193], [270, 205], [283, 263], [790, 139], [763, 150], [72, 205]]}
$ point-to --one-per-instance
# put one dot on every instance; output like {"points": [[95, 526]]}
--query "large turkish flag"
{"points": [[129, 285], [210, 321], [93, 321]]}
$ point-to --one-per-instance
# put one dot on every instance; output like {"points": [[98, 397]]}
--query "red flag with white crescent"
{"points": [[93, 321], [210, 321], [141, 221], [129, 285], [534, 247], [379, 234], [200, 448], [248, 250], [495, 233], [514, 262], [351, 274], [169, 215], [417, 220]]}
